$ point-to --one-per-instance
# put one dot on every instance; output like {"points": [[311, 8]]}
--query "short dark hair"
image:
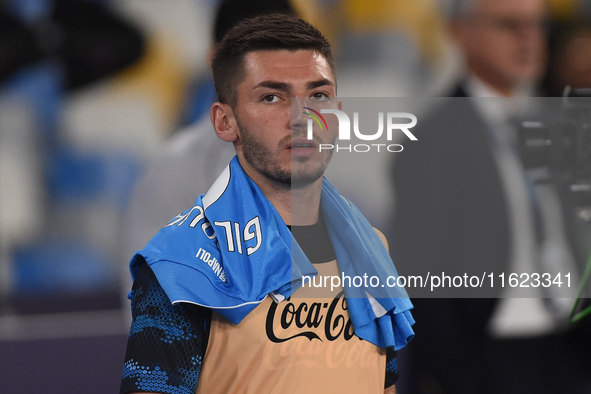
{"points": [[262, 33]]}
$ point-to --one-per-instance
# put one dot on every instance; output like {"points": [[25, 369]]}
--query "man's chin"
{"points": [[301, 181], [305, 174]]}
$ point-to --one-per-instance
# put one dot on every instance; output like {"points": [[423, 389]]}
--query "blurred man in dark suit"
{"points": [[465, 202]]}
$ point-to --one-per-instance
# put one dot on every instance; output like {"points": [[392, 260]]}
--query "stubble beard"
{"points": [[261, 157]]}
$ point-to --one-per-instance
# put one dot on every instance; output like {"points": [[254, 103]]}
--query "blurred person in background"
{"points": [[463, 199], [503, 44]]}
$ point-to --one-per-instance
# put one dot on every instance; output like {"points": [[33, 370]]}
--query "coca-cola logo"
{"points": [[307, 317]]}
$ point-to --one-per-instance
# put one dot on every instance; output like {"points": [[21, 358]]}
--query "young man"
{"points": [[228, 265]]}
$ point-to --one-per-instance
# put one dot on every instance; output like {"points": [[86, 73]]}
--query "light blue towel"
{"points": [[232, 249]]}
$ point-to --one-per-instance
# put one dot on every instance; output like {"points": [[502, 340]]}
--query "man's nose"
{"points": [[297, 120]]}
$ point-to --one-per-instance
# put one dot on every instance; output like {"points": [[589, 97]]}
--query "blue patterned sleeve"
{"points": [[391, 368], [166, 342]]}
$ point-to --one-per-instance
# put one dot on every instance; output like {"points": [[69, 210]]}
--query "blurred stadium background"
{"points": [[89, 89]]}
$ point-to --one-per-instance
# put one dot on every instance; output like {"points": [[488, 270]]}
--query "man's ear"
{"points": [[224, 122]]}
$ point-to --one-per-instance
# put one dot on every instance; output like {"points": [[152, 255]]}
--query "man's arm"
{"points": [[166, 342]]}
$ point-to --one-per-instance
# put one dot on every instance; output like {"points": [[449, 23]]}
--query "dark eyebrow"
{"points": [[287, 88], [273, 85], [319, 83]]}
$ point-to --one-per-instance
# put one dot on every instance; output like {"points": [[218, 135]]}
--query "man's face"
{"points": [[271, 147], [504, 41]]}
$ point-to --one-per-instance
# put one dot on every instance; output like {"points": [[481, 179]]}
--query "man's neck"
{"points": [[296, 206]]}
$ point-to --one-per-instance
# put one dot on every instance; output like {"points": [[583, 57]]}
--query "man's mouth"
{"points": [[302, 144], [296, 146]]}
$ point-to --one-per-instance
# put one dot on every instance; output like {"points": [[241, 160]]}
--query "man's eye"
{"points": [[320, 96], [270, 98]]}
